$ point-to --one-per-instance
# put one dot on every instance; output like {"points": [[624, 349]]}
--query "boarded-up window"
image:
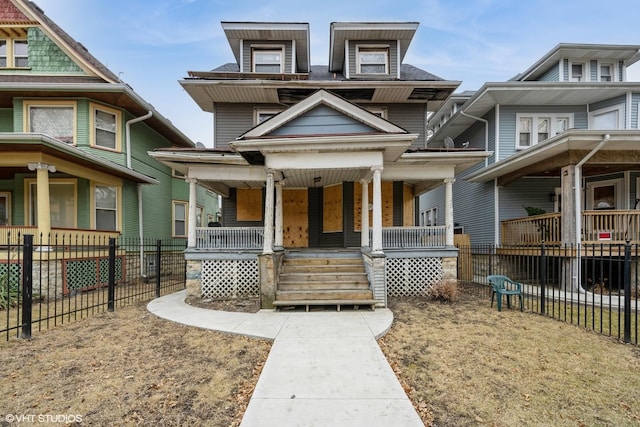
{"points": [[249, 204], [387, 205], [295, 218], [408, 213], [332, 210]]}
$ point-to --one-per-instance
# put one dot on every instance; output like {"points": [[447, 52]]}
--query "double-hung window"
{"points": [[535, 128], [578, 72], [55, 119], [179, 219], [268, 60], [14, 53], [606, 72], [373, 60], [106, 208], [105, 124]]}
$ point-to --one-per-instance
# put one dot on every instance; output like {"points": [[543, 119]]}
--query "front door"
{"points": [[295, 218]]}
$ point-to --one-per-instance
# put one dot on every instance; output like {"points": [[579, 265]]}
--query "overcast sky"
{"points": [[152, 44]]}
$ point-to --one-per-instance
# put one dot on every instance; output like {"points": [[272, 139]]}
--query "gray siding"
{"points": [[593, 71], [608, 103], [508, 122], [565, 70], [247, 56], [410, 117], [635, 110], [526, 192], [231, 121], [393, 56], [552, 75], [323, 120]]}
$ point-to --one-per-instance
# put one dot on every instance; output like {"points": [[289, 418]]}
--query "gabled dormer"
{"points": [[269, 47], [372, 51], [568, 62]]}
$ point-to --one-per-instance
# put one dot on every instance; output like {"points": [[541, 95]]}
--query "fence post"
{"points": [[111, 294], [627, 292], [543, 279], [27, 285], [158, 251]]}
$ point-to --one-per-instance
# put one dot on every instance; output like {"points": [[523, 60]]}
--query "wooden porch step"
{"points": [[356, 303], [306, 277], [322, 261], [319, 268], [328, 285], [324, 294]]}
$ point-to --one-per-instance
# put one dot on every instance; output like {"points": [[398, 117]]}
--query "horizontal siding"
{"points": [[247, 53], [231, 121], [409, 117], [611, 102], [552, 75], [393, 55], [593, 71], [635, 110], [323, 120], [526, 192]]}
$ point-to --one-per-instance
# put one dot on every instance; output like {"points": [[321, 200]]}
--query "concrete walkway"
{"points": [[324, 369]]}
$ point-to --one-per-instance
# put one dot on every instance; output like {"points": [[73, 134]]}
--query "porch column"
{"points": [[268, 214], [191, 233], [364, 214], [570, 236], [42, 199], [448, 211], [376, 244], [279, 213]]}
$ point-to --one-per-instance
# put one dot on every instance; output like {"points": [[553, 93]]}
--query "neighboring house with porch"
{"points": [[570, 118], [307, 157], [565, 139], [74, 140]]}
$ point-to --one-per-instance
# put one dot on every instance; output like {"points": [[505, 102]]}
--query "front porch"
{"points": [[611, 226]]}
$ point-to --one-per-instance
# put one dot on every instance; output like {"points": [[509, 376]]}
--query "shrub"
{"points": [[445, 290]]}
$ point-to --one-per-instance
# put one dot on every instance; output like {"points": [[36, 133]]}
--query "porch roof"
{"points": [[53, 149], [620, 152]]}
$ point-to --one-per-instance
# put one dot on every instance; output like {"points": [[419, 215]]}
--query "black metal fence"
{"points": [[594, 286], [73, 277]]}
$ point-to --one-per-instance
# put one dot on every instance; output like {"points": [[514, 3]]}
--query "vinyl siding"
{"points": [[552, 75], [410, 117], [565, 70], [635, 110], [526, 192], [393, 58], [231, 121], [247, 53], [508, 123], [612, 102], [593, 71], [323, 120]]}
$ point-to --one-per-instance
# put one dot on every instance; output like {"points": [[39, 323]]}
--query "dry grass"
{"points": [[465, 364], [131, 368]]}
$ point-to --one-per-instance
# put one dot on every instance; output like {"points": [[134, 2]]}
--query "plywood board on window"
{"points": [[408, 213], [295, 218], [332, 217], [387, 205], [249, 204]]}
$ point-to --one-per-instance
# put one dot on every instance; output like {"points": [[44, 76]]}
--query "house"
{"points": [[319, 168], [74, 141], [564, 136]]}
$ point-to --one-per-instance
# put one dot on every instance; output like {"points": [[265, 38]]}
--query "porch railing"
{"points": [[58, 236], [413, 237], [597, 227], [229, 237]]}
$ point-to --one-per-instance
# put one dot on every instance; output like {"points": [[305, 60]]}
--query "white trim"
{"points": [[258, 111], [561, 70], [268, 48], [496, 149], [398, 60], [628, 105], [585, 70], [496, 211], [241, 55], [6, 195], [294, 67], [614, 71], [618, 108], [347, 69], [618, 185], [535, 118], [378, 48]]}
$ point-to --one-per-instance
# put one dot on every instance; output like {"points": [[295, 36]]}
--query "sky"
{"points": [[153, 44]]}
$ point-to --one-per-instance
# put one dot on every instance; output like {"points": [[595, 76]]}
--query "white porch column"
{"points": [[376, 244], [279, 213], [364, 223], [42, 197], [268, 214], [193, 200], [448, 211]]}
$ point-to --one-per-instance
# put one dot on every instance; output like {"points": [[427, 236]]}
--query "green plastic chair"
{"points": [[503, 286]]}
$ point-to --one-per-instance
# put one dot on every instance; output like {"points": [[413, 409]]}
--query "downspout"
{"points": [[140, 221], [577, 187]]}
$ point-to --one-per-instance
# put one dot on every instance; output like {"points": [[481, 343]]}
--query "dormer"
{"points": [[14, 36], [269, 48], [568, 62], [372, 51]]}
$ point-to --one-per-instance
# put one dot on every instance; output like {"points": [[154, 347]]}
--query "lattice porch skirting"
{"points": [[230, 278], [410, 277]]}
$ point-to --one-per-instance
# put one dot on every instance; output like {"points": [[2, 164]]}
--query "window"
{"points": [[577, 72], [180, 219], [373, 60], [56, 120], [607, 118], [199, 215], [14, 53], [106, 208], [604, 195], [268, 60], [605, 72], [546, 126], [264, 114], [378, 111], [62, 202], [5, 208], [429, 217], [105, 124]]}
